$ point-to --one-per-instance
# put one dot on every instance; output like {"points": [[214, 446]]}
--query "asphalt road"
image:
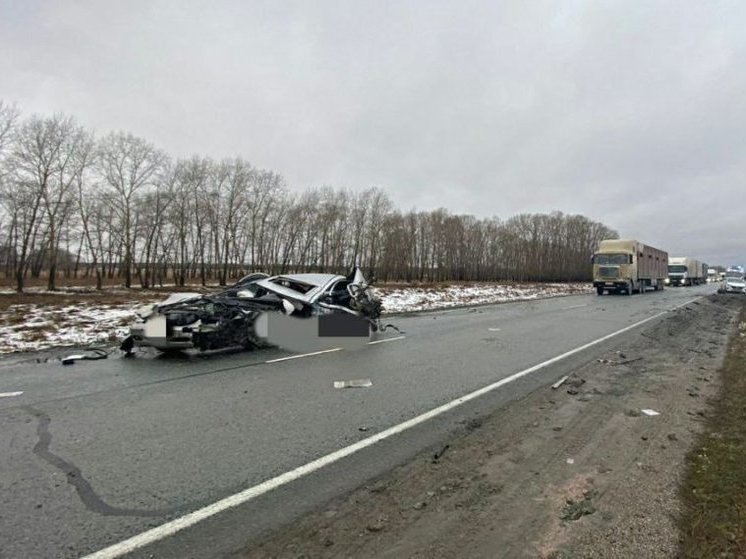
{"points": [[101, 451]]}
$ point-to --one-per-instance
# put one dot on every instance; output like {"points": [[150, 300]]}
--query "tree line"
{"points": [[118, 208]]}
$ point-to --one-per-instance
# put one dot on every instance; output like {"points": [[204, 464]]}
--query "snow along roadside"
{"points": [[35, 327]]}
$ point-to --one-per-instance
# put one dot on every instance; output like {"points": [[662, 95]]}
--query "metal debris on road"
{"points": [[650, 412], [438, 455], [357, 383], [557, 384], [90, 355]]}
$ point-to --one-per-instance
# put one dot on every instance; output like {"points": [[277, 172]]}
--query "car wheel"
{"points": [[599, 290]]}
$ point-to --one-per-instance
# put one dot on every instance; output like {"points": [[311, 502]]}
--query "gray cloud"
{"points": [[632, 113]]}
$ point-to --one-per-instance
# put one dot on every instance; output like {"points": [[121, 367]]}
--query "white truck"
{"points": [[626, 266], [683, 270]]}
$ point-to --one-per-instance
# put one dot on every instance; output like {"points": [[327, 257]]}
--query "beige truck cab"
{"points": [[628, 266]]}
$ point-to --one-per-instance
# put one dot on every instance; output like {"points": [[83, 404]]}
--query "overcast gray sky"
{"points": [[631, 113]]}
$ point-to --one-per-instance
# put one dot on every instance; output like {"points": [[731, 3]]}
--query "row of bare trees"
{"points": [[116, 207]]}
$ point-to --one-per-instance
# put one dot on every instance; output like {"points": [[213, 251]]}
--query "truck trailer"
{"points": [[626, 266], [683, 270]]}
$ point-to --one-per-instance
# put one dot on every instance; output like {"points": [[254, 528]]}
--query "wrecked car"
{"points": [[248, 313]]}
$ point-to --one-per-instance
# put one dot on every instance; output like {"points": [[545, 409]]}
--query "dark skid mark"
{"points": [[75, 478]]}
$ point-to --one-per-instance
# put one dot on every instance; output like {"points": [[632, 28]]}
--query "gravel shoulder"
{"points": [[578, 471]]}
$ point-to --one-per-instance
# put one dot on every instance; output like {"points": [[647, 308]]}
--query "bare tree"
{"points": [[128, 166]]}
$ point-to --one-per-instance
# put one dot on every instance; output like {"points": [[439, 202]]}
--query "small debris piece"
{"points": [[672, 437], [650, 412], [633, 413], [70, 359], [377, 527], [570, 460], [576, 510], [572, 392], [419, 505], [357, 383], [438, 455], [644, 438], [558, 428], [363, 429], [557, 384]]}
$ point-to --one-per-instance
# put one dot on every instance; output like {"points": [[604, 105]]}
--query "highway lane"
{"points": [[100, 451]]}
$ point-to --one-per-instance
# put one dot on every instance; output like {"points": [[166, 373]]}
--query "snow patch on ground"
{"points": [[33, 327], [423, 298], [30, 327]]}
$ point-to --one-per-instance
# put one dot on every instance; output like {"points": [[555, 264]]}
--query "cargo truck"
{"points": [[683, 270], [626, 266]]}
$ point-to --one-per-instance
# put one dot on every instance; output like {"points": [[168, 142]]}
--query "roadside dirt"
{"points": [[580, 471]]}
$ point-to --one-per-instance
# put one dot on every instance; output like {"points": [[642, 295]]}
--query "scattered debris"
{"points": [[90, 355], [378, 525], [650, 412], [438, 455], [574, 510], [559, 383], [357, 383]]}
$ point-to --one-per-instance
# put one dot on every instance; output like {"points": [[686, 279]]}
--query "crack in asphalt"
{"points": [[74, 476]]}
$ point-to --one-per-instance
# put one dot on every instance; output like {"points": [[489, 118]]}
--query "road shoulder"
{"points": [[577, 471]]}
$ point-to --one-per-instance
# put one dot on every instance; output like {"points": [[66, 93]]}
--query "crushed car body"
{"points": [[257, 311]]}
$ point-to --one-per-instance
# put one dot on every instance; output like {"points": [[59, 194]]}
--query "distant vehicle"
{"points": [[734, 281], [683, 270], [625, 266], [712, 275]]}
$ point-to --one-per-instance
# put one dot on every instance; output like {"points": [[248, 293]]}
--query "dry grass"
{"points": [[714, 490]]}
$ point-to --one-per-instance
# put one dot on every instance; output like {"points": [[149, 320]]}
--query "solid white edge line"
{"points": [[386, 340], [10, 394], [303, 355], [170, 528]]}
